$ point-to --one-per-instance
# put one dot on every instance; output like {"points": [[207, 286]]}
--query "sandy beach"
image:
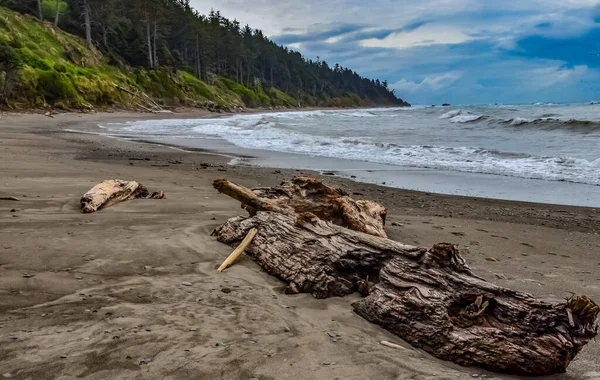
{"points": [[107, 295]]}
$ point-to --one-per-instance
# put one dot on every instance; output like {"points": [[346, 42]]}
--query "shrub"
{"points": [[55, 86]]}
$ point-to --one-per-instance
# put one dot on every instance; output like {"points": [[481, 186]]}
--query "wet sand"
{"points": [[102, 296]]}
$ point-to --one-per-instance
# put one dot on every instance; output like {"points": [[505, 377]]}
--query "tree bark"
{"points": [[105, 36], [198, 68], [428, 297], [112, 191], [88, 23], [57, 14], [149, 41], [40, 13], [154, 45], [304, 194]]}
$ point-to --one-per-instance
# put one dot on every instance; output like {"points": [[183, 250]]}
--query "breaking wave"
{"points": [[266, 132], [555, 123], [546, 121], [460, 116]]}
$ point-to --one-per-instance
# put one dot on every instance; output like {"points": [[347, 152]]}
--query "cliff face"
{"points": [[43, 66]]}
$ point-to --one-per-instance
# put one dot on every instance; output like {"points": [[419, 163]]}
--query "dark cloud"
{"points": [[318, 34]]}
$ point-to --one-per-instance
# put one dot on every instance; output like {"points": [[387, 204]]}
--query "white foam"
{"points": [[461, 116], [451, 114], [266, 132], [465, 118], [519, 121]]}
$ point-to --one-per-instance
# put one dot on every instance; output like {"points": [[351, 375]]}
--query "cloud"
{"points": [[553, 75], [458, 51], [429, 34], [431, 83], [319, 33]]}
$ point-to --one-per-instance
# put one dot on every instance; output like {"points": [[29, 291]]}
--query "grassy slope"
{"points": [[58, 70]]}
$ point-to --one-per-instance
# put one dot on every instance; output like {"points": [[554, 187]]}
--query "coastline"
{"points": [[275, 141], [132, 259]]}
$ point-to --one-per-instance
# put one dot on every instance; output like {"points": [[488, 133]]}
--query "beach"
{"points": [[132, 291]]}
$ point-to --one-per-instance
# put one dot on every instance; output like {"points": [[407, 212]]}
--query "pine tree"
{"points": [[171, 35]]}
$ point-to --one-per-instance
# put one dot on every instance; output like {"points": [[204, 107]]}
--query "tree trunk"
{"points": [[149, 41], [40, 13], [185, 55], [249, 71], [112, 191], [154, 46], [88, 23], [105, 36], [428, 297], [57, 14], [198, 67], [304, 194]]}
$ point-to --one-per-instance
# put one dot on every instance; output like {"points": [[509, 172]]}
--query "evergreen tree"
{"points": [[169, 34]]}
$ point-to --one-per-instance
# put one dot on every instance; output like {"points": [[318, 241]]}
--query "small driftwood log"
{"points": [[113, 191], [238, 251], [304, 194], [428, 297], [8, 198]]}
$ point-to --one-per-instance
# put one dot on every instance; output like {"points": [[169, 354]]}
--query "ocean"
{"points": [[546, 153]]}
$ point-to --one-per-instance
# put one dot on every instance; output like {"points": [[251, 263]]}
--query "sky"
{"points": [[443, 51]]}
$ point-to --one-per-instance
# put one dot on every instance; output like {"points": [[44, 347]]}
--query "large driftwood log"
{"points": [[428, 297], [113, 191], [304, 194]]}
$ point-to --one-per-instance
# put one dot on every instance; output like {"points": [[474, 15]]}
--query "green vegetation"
{"points": [[176, 56]]}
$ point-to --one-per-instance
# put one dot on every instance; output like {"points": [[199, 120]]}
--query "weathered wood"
{"points": [[304, 194], [428, 297], [113, 191], [238, 251], [9, 198], [150, 106], [248, 198]]}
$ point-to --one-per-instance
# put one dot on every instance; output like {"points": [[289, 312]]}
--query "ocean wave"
{"points": [[450, 114], [555, 123], [264, 133], [460, 116]]}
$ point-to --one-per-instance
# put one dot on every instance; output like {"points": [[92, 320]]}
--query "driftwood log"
{"points": [[8, 198], [428, 297], [112, 191], [304, 194]]}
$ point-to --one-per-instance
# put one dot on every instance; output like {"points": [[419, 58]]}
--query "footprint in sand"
{"points": [[501, 237], [527, 245], [459, 234], [480, 230], [553, 254]]}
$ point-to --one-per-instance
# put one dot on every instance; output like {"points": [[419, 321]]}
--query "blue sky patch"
{"points": [[439, 51]]}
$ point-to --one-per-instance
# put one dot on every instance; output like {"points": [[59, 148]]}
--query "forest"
{"points": [[169, 50]]}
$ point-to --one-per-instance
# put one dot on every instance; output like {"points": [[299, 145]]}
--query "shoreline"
{"points": [[553, 214], [421, 179], [119, 272]]}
